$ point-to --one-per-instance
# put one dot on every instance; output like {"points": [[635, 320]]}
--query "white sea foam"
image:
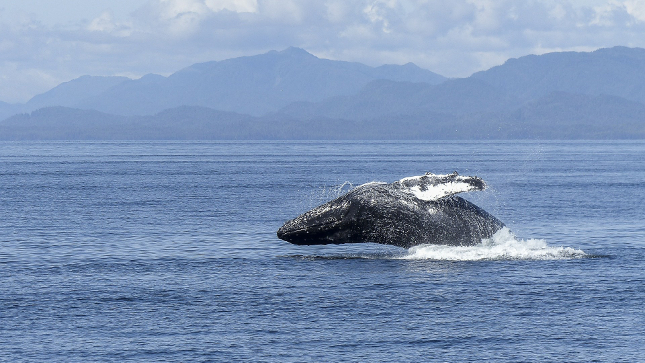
{"points": [[503, 245]]}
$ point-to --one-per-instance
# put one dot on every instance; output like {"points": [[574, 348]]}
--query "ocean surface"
{"points": [[166, 251]]}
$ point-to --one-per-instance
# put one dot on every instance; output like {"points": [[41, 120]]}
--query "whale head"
{"points": [[332, 222], [368, 213]]}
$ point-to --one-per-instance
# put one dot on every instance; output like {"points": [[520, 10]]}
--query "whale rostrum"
{"points": [[412, 211]]}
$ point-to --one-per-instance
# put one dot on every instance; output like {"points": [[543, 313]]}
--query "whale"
{"points": [[412, 211]]}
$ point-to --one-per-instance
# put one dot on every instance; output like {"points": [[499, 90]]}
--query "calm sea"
{"points": [[166, 251]]}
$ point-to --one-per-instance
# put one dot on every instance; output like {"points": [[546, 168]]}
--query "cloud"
{"points": [[454, 38], [636, 9], [103, 23], [238, 6]]}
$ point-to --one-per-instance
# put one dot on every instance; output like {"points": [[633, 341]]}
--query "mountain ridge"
{"points": [[256, 84], [573, 95]]}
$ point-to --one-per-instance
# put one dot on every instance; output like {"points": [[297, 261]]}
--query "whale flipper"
{"points": [[431, 187]]}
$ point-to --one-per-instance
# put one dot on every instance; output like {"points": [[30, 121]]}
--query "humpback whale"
{"points": [[412, 211]]}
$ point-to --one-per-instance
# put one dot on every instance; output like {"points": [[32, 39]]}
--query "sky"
{"points": [[46, 42]]}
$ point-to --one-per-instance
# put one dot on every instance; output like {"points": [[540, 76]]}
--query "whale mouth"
{"points": [[295, 232]]}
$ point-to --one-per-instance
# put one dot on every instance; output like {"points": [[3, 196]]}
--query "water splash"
{"points": [[503, 245], [327, 193], [338, 190]]}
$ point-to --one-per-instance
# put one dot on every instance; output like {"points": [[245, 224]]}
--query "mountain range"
{"points": [[252, 85], [292, 94]]}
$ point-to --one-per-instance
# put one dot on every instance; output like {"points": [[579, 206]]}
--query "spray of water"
{"points": [[327, 193], [504, 245]]}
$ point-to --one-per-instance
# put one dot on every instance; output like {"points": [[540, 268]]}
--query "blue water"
{"points": [[165, 251]]}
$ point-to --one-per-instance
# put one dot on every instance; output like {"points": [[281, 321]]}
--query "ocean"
{"points": [[167, 251]]}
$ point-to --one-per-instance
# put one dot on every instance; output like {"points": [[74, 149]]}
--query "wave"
{"points": [[503, 245]]}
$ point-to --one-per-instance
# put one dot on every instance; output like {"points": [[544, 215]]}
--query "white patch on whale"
{"points": [[431, 187], [435, 192]]}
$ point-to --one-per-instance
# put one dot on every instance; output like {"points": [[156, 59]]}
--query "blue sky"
{"points": [[46, 42]]}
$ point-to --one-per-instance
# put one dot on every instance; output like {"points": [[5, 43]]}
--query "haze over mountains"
{"points": [[252, 85], [292, 94]]}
